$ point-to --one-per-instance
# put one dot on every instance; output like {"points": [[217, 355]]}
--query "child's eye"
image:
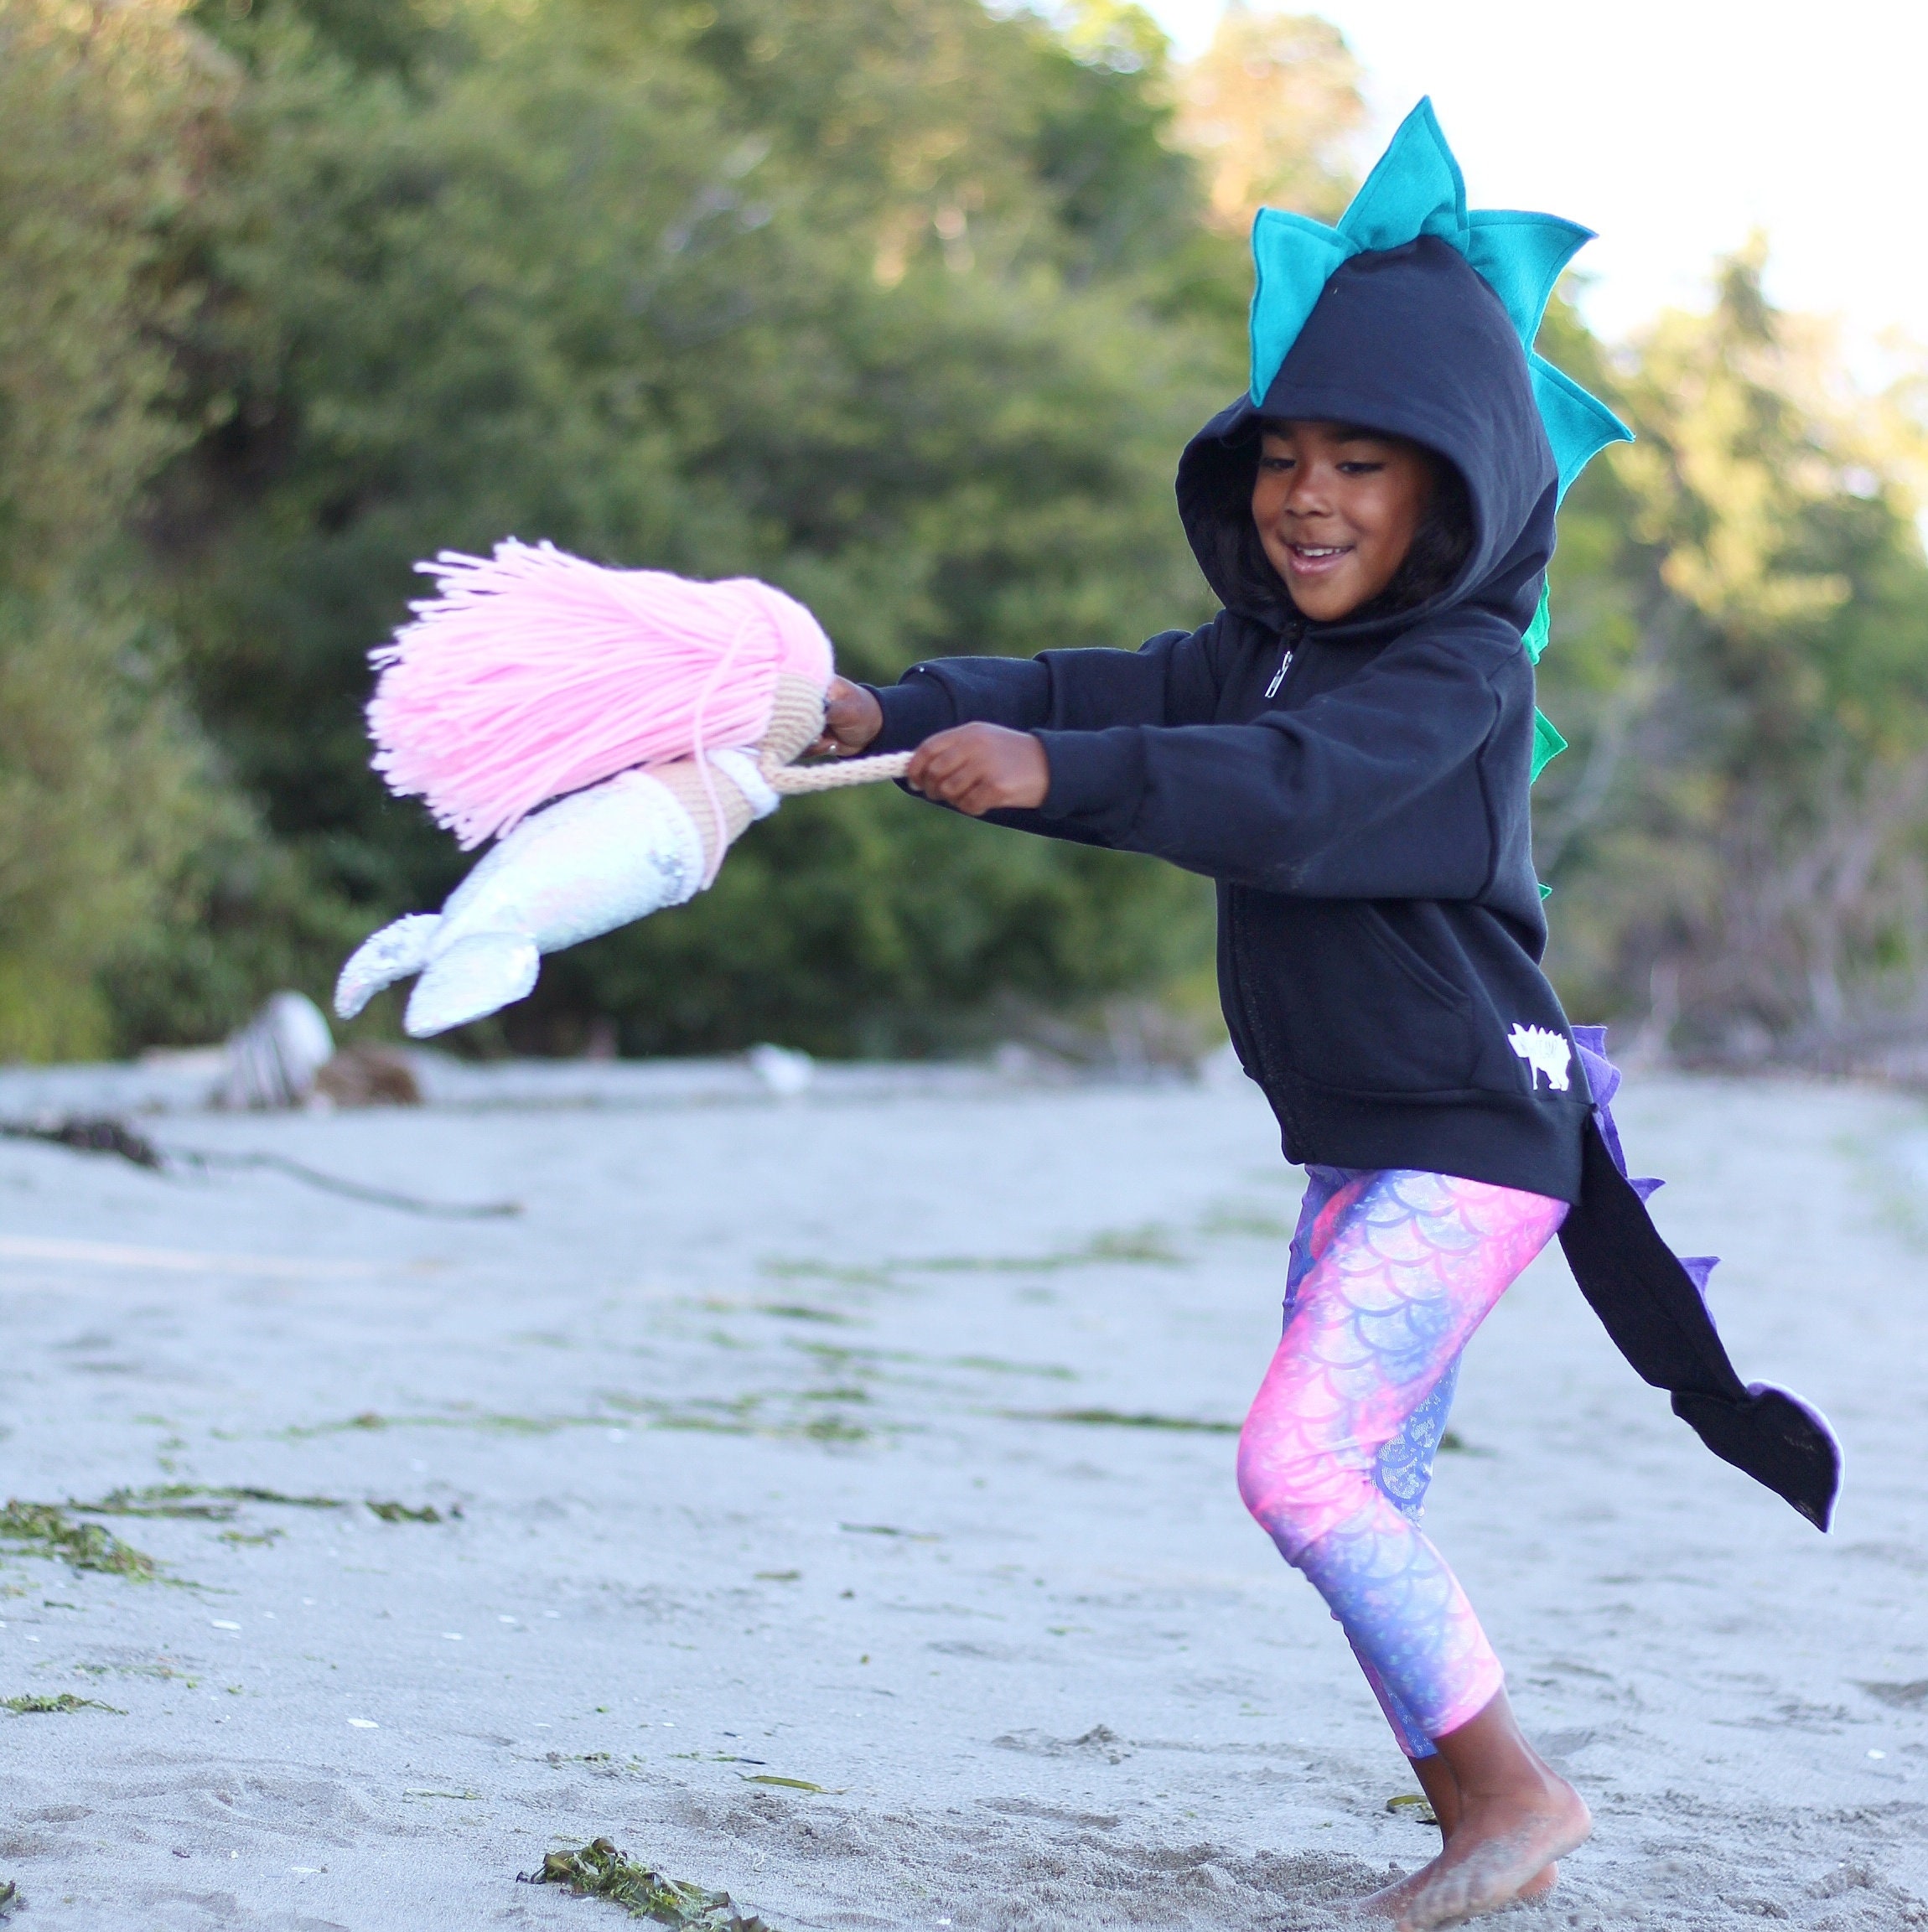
{"points": [[1359, 467]]}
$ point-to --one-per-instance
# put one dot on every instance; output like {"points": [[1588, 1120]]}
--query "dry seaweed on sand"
{"points": [[1119, 1419], [401, 1513], [1413, 1804], [10, 1897], [44, 1530], [195, 1500], [598, 1870], [48, 1706], [89, 1134]]}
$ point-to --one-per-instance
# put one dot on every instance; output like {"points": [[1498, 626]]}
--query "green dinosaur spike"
{"points": [[1520, 256], [1416, 188], [1578, 426], [1548, 744], [1540, 628], [1294, 256]]}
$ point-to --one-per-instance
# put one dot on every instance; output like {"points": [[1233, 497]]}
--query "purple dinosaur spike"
{"points": [[1773, 1434], [1603, 1080], [1698, 1268]]}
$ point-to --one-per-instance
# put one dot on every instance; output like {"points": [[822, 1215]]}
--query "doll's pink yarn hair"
{"points": [[531, 673]]}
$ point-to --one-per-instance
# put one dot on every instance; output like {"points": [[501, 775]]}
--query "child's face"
{"points": [[1336, 510]]}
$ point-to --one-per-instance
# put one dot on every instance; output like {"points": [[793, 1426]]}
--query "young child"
{"points": [[1346, 749]]}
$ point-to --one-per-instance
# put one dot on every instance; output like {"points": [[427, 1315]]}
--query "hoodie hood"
{"points": [[1413, 342]]}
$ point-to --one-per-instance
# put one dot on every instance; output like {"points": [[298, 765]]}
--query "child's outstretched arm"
{"points": [[1397, 783], [1172, 679], [970, 720], [975, 768]]}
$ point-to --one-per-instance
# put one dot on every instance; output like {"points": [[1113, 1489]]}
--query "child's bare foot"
{"points": [[1505, 1817], [1502, 1852], [1391, 1901]]}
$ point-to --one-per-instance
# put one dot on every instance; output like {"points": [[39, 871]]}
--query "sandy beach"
{"points": [[832, 1503]]}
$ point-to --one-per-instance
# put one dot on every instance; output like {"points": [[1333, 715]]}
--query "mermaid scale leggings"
{"points": [[1390, 1273]]}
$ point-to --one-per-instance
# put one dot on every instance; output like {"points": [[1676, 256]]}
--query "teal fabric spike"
{"points": [[1540, 628], [1548, 744], [1294, 256], [1578, 426], [1520, 257], [1415, 188]]}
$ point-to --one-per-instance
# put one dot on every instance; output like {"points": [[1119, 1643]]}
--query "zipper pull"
{"points": [[1284, 665]]}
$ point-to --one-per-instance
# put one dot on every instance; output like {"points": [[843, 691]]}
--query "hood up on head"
{"points": [[1410, 342], [1414, 316]]}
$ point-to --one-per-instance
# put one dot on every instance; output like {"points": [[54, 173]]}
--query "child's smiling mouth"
{"points": [[1317, 559]]}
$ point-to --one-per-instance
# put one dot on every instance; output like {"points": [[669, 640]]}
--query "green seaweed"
{"points": [[44, 1530], [195, 1500], [66, 1701], [10, 1897], [736, 1417], [598, 1870], [784, 1311], [855, 1361], [1413, 1804], [401, 1513], [498, 1424], [1253, 1224], [809, 1270], [1149, 1245], [1118, 1419], [832, 1429], [243, 1540], [787, 1784], [996, 1366]]}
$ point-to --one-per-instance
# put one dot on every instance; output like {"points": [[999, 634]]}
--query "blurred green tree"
{"points": [[868, 299], [114, 815], [1740, 838], [1270, 108]]}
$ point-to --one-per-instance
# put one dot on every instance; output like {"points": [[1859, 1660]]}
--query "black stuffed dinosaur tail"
{"points": [[1658, 1319]]}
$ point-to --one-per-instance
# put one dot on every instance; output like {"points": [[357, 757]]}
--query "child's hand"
{"points": [[980, 768], [852, 718]]}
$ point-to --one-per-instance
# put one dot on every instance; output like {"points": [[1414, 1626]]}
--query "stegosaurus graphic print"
{"points": [[1545, 1053]]}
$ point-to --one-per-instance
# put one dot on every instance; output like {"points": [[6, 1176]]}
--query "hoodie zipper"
{"points": [[1278, 676]]}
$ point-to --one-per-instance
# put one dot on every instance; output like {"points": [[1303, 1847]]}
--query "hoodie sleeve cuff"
{"points": [[1096, 776], [913, 711]]}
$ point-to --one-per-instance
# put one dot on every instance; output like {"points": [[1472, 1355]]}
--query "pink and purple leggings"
{"points": [[1390, 1273]]}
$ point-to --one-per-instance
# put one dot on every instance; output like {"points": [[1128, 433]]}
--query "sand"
{"points": [[751, 1444]]}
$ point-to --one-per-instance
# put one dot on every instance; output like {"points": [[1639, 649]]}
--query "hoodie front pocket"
{"points": [[1337, 995]]}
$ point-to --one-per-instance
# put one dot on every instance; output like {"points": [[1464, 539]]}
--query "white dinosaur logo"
{"points": [[1545, 1053]]}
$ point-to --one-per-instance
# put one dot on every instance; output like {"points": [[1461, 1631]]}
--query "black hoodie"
{"points": [[1358, 789]]}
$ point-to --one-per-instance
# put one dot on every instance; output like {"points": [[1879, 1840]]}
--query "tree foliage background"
{"points": [[906, 306]]}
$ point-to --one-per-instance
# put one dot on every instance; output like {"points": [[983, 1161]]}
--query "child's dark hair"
{"points": [[1440, 545]]}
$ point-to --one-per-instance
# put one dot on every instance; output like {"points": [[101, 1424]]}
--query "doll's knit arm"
{"points": [[1170, 680]]}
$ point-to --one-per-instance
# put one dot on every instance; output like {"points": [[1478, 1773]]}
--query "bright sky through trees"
{"points": [[1675, 128]]}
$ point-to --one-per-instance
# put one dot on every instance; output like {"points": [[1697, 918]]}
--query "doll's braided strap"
{"points": [[834, 775]]}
